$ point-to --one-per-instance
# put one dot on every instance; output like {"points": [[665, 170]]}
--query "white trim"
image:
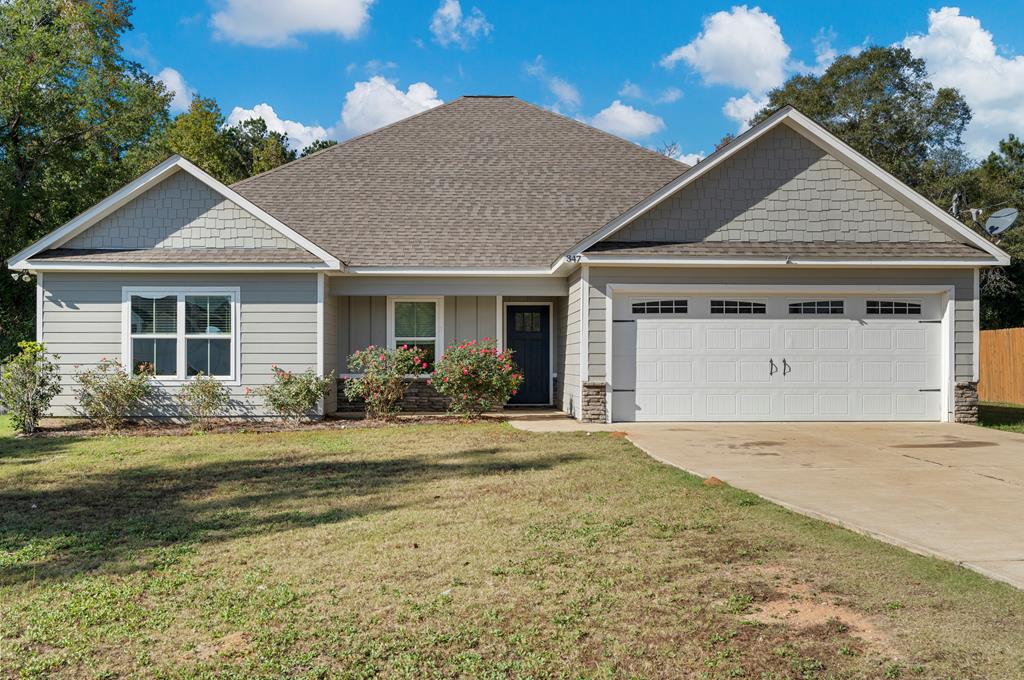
{"points": [[234, 378], [551, 344], [440, 271], [439, 340], [142, 184], [668, 261], [320, 367], [976, 330], [947, 302], [584, 328], [609, 331], [167, 267], [499, 322], [40, 297], [815, 133]]}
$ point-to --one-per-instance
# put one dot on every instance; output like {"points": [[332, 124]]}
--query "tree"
{"points": [[881, 103], [255, 149], [71, 108], [318, 145]]}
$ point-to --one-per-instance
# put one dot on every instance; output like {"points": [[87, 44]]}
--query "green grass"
{"points": [[445, 550], [1008, 417]]}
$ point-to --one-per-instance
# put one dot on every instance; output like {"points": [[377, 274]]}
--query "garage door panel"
{"points": [[814, 367]]}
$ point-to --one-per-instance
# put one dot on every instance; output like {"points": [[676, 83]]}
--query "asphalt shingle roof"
{"points": [[477, 182]]}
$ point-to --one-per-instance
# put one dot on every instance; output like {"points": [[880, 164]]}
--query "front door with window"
{"points": [[528, 335]]}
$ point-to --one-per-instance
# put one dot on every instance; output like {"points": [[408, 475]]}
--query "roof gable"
{"points": [[818, 191], [178, 210], [785, 188]]}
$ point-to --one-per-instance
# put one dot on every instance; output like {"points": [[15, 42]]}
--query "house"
{"points": [[784, 277]]}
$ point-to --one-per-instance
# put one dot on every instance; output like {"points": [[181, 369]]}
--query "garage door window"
{"points": [[893, 308], [815, 307], [737, 307], [660, 307]]}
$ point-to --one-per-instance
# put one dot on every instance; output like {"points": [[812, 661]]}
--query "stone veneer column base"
{"points": [[594, 402], [419, 397], [965, 402]]}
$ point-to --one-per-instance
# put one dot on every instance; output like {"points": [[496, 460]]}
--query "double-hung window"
{"points": [[176, 334], [417, 322]]}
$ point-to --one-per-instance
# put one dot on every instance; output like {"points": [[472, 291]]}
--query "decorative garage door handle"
{"points": [[786, 368], [772, 368]]}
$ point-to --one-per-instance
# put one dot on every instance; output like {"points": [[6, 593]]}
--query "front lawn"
{"points": [[1002, 416], [449, 550]]}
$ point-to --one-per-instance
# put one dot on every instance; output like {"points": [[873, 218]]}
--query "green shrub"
{"points": [[108, 395], [202, 398], [29, 381], [294, 396], [476, 377], [385, 378]]}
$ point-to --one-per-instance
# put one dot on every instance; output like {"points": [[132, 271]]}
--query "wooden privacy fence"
{"points": [[1002, 366]]}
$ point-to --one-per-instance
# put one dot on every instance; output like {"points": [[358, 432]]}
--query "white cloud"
{"points": [[564, 91], [299, 135], [742, 48], [273, 23], [625, 121], [691, 158], [449, 26], [742, 109], [667, 96], [377, 102], [368, 105], [175, 84], [962, 54]]}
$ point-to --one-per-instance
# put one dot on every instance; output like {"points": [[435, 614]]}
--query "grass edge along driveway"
{"points": [[453, 550]]}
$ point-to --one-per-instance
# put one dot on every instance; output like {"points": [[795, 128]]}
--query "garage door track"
{"points": [[952, 491]]}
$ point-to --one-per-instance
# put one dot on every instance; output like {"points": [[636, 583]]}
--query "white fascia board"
{"points": [[169, 267], [811, 130], [612, 261], [142, 184], [435, 271]]}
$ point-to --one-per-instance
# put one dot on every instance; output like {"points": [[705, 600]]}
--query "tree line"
{"points": [[78, 120]]}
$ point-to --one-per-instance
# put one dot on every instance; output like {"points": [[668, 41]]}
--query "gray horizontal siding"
{"points": [[573, 323], [961, 279], [82, 323]]}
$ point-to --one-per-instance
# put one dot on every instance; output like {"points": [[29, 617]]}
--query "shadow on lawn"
{"points": [[105, 520]]}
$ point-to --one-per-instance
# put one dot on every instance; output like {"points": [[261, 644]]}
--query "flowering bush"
{"points": [[202, 398], [476, 377], [385, 377], [109, 395], [294, 396], [28, 383]]}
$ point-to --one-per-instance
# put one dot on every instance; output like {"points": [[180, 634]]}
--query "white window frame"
{"points": [[180, 336], [438, 338]]}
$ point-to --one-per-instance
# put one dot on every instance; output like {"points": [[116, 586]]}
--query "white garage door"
{"points": [[727, 357]]}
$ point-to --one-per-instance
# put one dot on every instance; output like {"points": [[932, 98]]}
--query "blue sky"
{"points": [[654, 72]]}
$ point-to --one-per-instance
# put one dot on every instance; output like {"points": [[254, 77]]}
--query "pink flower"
{"points": [[429, 381], [382, 357], [465, 371], [446, 379], [515, 392], [405, 346]]}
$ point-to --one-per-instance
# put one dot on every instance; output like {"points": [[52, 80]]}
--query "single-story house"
{"points": [[784, 277]]}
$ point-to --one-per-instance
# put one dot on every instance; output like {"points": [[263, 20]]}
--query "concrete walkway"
{"points": [[952, 491]]}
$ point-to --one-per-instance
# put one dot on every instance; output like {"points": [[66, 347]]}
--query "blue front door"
{"points": [[528, 335]]}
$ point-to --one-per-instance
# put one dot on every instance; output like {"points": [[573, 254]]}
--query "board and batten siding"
{"points": [[961, 279], [81, 321], [362, 321]]}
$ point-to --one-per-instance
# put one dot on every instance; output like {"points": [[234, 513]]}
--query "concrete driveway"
{"points": [[952, 491]]}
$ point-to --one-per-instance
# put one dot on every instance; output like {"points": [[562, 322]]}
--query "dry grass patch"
{"points": [[452, 551]]}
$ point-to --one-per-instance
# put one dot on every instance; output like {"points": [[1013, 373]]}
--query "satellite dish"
{"points": [[1001, 220]]}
